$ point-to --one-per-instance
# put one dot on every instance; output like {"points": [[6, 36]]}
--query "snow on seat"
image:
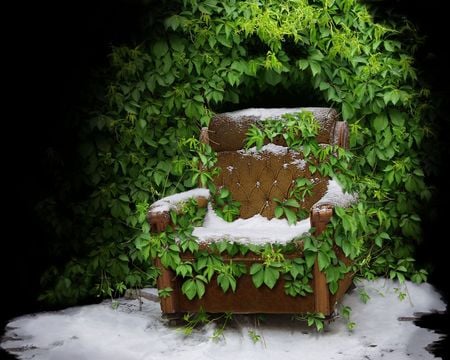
{"points": [[259, 230], [255, 230]]}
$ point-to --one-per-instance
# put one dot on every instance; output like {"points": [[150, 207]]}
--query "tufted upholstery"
{"points": [[255, 179]]}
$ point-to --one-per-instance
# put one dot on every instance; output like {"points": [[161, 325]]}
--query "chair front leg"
{"points": [[320, 217]]}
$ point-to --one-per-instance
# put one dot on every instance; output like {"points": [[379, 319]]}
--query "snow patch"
{"points": [[258, 229], [255, 230], [170, 202], [336, 196], [99, 332], [263, 113], [269, 148], [299, 163]]}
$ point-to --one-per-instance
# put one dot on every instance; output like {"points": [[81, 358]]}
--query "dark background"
{"points": [[52, 51]]}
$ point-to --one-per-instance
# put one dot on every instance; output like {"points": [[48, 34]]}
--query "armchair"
{"points": [[255, 179]]}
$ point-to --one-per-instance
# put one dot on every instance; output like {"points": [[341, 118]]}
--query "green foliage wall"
{"points": [[206, 56]]}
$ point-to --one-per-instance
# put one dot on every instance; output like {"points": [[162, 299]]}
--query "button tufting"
{"points": [[254, 182]]}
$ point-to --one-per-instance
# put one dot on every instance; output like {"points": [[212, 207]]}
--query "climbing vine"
{"points": [[203, 56]]}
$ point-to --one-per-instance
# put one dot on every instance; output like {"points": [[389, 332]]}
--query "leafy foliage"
{"points": [[313, 319], [204, 55]]}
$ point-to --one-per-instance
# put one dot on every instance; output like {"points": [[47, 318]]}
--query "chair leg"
{"points": [[321, 292], [166, 279]]}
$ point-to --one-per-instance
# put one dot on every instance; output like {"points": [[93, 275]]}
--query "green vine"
{"points": [[205, 56]]}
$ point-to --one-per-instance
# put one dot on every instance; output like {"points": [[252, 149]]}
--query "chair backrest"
{"points": [[256, 178]]}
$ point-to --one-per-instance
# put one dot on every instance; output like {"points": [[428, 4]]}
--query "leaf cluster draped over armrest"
{"points": [[158, 215], [322, 210]]}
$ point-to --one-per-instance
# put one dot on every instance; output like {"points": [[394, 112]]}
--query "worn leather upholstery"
{"points": [[255, 179]]}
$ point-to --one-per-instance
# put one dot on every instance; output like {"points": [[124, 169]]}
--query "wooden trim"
{"points": [[167, 279], [158, 221], [321, 292], [341, 134], [319, 219]]}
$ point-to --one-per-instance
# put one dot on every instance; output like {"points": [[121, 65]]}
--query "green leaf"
{"points": [[333, 286], [323, 260], [347, 110], [271, 276], [278, 212], [224, 193], [123, 257], [255, 268], [310, 258], [172, 22], [290, 215], [292, 202], [177, 44], [315, 68], [224, 40], [380, 122], [200, 287], [160, 48], [272, 78], [189, 289], [371, 157], [303, 64], [212, 41], [397, 117], [124, 198], [257, 273], [319, 325]]}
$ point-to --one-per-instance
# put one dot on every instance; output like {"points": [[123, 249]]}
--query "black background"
{"points": [[51, 50]]}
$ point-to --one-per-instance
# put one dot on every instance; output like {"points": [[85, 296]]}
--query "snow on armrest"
{"points": [[158, 215], [335, 196], [171, 202]]}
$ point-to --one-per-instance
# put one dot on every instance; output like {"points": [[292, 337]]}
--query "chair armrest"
{"points": [[322, 211], [320, 216], [158, 216]]}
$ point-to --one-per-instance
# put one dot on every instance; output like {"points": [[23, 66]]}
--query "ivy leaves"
{"points": [[284, 208], [194, 287], [207, 55], [228, 275], [264, 274]]}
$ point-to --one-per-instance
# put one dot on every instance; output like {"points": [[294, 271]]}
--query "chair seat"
{"points": [[259, 230], [256, 230]]}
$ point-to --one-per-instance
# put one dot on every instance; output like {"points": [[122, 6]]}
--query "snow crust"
{"points": [[256, 230], [264, 113], [102, 333], [170, 202], [259, 230], [336, 196], [269, 148]]}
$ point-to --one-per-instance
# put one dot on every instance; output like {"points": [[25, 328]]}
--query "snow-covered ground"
{"points": [[383, 331]]}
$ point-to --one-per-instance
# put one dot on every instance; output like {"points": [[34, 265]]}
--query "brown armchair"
{"points": [[255, 179]]}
